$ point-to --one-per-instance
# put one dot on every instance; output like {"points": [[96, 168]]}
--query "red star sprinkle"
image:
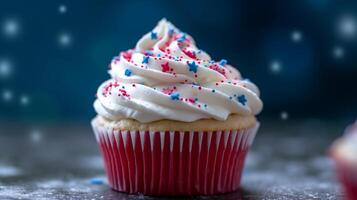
{"points": [[165, 67]]}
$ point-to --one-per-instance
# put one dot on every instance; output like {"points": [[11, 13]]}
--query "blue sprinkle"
{"points": [[223, 62], [145, 60], [182, 38], [96, 181], [242, 99], [231, 98], [171, 32], [153, 35], [213, 90], [205, 105], [127, 72], [192, 67], [175, 96], [196, 99], [211, 61]]}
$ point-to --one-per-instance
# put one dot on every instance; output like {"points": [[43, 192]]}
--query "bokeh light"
{"points": [[275, 67], [64, 39], [296, 36], [7, 95], [6, 68], [24, 100], [10, 27], [284, 115], [62, 9], [338, 52], [36, 136], [347, 27]]}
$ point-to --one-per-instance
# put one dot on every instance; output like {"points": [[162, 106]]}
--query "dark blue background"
{"points": [[60, 81]]}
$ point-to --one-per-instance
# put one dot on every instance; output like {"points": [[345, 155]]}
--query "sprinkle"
{"points": [[205, 105], [149, 53], [171, 32], [127, 72], [230, 98], [126, 55], [223, 62], [182, 38], [96, 181], [165, 67], [190, 54], [213, 90], [191, 100], [242, 99], [153, 35], [145, 60], [192, 66], [175, 96]]}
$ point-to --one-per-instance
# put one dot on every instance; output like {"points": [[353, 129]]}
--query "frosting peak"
{"points": [[167, 77]]}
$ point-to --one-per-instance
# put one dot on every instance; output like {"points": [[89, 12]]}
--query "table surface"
{"points": [[288, 161]]}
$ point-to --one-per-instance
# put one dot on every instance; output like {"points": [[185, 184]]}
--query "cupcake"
{"points": [[172, 121], [344, 152]]}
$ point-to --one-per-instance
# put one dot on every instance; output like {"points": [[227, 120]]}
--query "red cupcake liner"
{"points": [[347, 175], [174, 162]]}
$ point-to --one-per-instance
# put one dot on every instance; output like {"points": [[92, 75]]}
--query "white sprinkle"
{"points": [[338, 52], [284, 115], [296, 36], [10, 28], [62, 9], [275, 67]]}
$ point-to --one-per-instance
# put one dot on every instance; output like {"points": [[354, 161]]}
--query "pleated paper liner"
{"points": [[174, 162], [347, 174]]}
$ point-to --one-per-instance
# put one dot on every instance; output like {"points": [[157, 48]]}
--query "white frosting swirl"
{"points": [[167, 77]]}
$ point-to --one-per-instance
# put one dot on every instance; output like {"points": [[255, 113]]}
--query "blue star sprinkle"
{"points": [[192, 66], [153, 35], [175, 96], [171, 32], [127, 72], [145, 60], [242, 99], [182, 38], [223, 62]]}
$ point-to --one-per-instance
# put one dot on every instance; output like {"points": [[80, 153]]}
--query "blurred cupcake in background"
{"points": [[344, 152]]}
